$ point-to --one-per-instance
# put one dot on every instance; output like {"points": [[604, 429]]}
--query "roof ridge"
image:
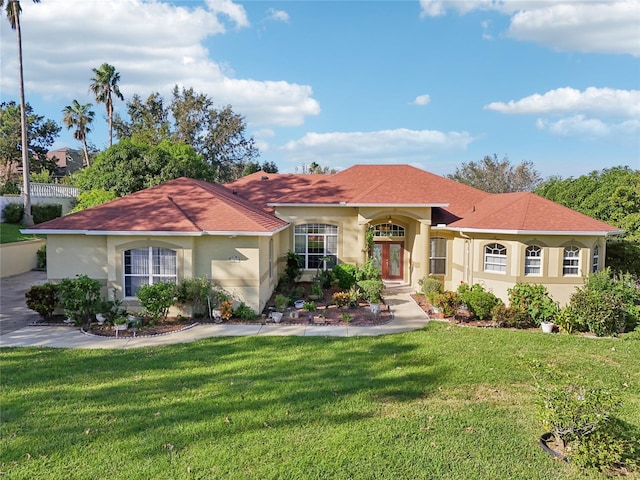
{"points": [[184, 213]]}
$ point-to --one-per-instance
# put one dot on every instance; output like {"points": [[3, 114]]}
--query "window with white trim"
{"points": [[595, 262], [388, 230], [495, 258], [438, 256], [571, 261], [317, 245], [533, 260], [146, 266]]}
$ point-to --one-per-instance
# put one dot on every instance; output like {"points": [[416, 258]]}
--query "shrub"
{"points": [[43, 299], [13, 213], [368, 272], [42, 257], [309, 306], [324, 278], [245, 312], [372, 290], [156, 299], [601, 313], [430, 288], [345, 274], [510, 317], [448, 302], [195, 292], [623, 287], [226, 309], [10, 188], [79, 297], [534, 300], [583, 418], [341, 299], [479, 302], [293, 271], [281, 301], [346, 317], [43, 212]]}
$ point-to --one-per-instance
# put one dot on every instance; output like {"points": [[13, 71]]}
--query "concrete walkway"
{"points": [[16, 332]]}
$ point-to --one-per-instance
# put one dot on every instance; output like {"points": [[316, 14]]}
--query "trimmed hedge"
{"points": [[43, 212]]}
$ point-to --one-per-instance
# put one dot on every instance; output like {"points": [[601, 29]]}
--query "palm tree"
{"points": [[104, 87], [13, 15], [80, 117]]}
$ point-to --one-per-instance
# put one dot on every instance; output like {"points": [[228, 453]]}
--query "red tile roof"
{"points": [[246, 205], [183, 205], [527, 212]]}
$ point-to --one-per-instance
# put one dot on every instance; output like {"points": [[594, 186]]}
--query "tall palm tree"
{"points": [[13, 15], [104, 86], [80, 117]]}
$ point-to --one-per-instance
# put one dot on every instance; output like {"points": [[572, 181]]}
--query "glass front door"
{"points": [[388, 257]]}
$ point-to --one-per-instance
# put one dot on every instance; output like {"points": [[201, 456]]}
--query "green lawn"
{"points": [[444, 402], [10, 232]]}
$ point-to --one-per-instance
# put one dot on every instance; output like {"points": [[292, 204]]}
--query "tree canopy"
{"points": [[611, 195], [129, 166], [217, 134], [498, 176], [41, 136]]}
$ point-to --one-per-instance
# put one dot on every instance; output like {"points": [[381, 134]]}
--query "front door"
{"points": [[388, 257]]}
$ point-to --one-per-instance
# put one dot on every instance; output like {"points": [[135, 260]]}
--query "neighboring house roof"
{"points": [[181, 207], [67, 159], [526, 212]]}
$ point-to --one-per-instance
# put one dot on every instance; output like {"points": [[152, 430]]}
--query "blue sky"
{"points": [[429, 83]]}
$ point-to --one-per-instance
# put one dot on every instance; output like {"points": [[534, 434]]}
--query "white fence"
{"points": [[64, 195]]}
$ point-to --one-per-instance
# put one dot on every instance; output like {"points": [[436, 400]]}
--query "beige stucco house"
{"points": [[239, 234]]}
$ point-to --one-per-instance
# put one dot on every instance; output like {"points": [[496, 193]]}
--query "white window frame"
{"points": [[533, 260], [435, 260], [595, 259], [495, 258], [388, 230], [327, 233], [571, 261], [158, 261]]}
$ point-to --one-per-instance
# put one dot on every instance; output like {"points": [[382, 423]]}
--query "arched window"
{"points": [[595, 260], [317, 244], [571, 261], [495, 258], [388, 230], [146, 266], [533, 260], [438, 256]]}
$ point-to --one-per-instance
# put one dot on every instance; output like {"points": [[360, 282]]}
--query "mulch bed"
{"points": [[461, 317]]}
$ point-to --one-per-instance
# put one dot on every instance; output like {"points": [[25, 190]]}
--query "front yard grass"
{"points": [[444, 402]]}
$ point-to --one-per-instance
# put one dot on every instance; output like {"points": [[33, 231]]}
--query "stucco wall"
{"points": [[19, 257]]}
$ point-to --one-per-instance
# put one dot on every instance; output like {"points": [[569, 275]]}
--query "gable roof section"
{"points": [[360, 185], [526, 212], [180, 207]]}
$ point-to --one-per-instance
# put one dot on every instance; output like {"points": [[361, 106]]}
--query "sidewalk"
{"points": [[407, 316]]}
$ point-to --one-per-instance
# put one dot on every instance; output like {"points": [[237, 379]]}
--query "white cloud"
{"points": [[154, 45], [385, 146], [277, 15], [600, 101], [422, 100], [601, 26], [588, 128]]}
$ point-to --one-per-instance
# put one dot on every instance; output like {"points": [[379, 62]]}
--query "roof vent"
{"points": [[264, 177], [234, 191]]}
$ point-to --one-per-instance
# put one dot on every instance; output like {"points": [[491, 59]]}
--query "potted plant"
{"points": [[120, 323], [547, 327], [372, 291]]}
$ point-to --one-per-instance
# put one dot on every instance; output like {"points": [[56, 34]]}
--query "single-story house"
{"points": [[239, 234]]}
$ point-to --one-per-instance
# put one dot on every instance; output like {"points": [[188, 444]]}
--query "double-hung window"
{"points": [[317, 245], [495, 258], [571, 261], [533, 260], [438, 256], [146, 266], [595, 260]]}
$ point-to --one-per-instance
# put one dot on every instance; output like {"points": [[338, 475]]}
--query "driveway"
{"points": [[14, 313]]}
